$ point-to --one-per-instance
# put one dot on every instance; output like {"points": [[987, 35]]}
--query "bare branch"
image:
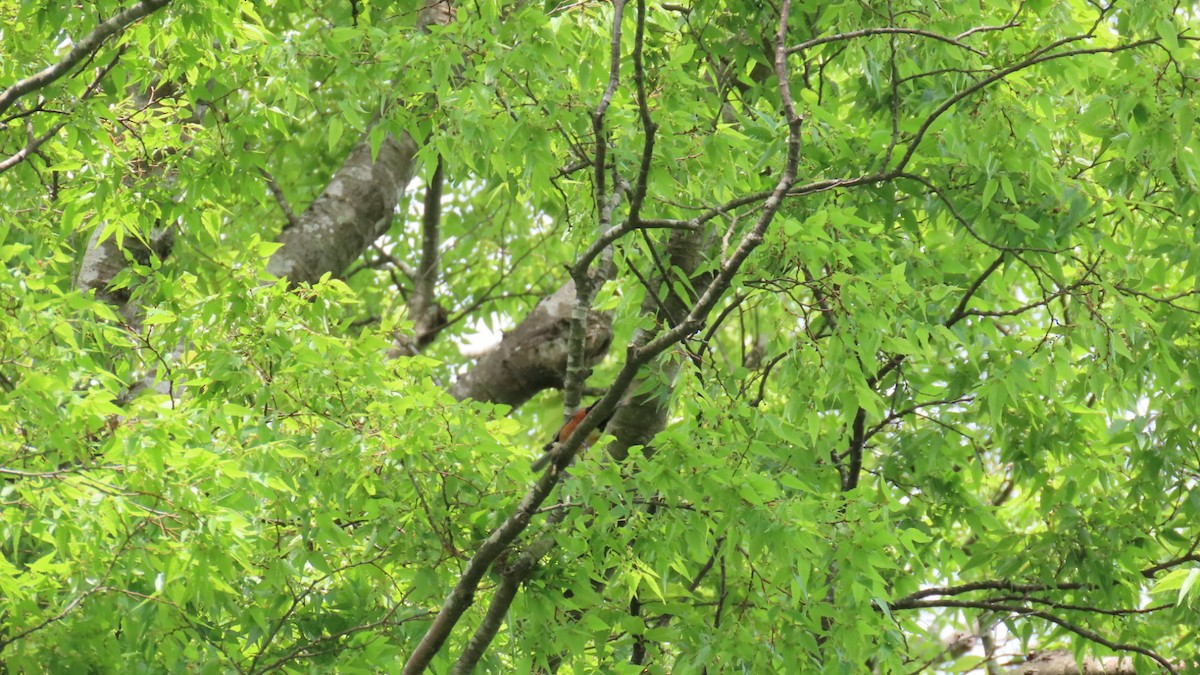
{"points": [[462, 595], [614, 75], [966, 224], [407, 269], [1041, 56], [1166, 300], [1072, 627], [427, 316], [960, 310], [585, 283], [99, 587], [985, 29], [1151, 571], [648, 125], [298, 599], [990, 585], [884, 30]]}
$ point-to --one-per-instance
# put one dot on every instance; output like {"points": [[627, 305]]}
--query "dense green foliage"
{"points": [[954, 389]]}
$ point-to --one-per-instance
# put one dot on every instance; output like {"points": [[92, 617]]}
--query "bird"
{"points": [[564, 433]]}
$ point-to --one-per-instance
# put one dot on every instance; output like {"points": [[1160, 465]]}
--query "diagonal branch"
{"points": [[462, 595], [511, 579], [32, 146], [1041, 56], [83, 49]]}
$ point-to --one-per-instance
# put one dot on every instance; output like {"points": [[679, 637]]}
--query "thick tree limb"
{"points": [[359, 200], [349, 214], [533, 356], [104, 259]]}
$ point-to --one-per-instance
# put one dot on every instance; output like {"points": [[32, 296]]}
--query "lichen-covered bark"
{"points": [[349, 214], [533, 356], [103, 260]]}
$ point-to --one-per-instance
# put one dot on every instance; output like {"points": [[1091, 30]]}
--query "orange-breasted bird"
{"points": [[564, 433]]}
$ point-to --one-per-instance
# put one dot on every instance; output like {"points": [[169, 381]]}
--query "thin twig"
{"points": [[280, 198], [883, 30]]}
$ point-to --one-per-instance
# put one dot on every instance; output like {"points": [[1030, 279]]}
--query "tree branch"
{"points": [[427, 316], [462, 596], [83, 49], [34, 144], [511, 579], [887, 30], [1072, 627], [280, 198], [1041, 56]]}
